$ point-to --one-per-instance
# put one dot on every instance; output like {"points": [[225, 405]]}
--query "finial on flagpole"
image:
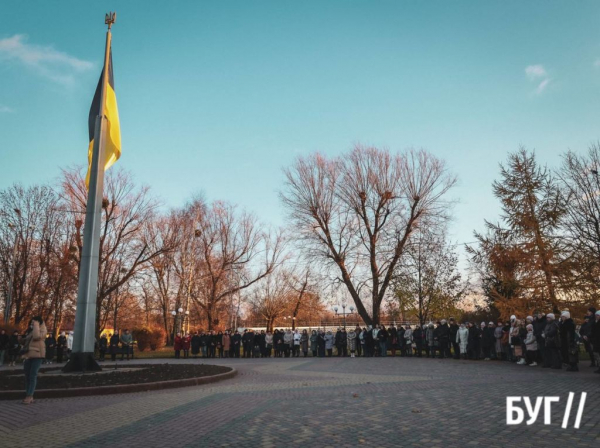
{"points": [[110, 19]]}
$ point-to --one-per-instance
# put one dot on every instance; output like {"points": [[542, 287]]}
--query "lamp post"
{"points": [[343, 313], [177, 321]]}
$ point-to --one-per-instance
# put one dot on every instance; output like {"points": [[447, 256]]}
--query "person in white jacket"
{"points": [[462, 339], [69, 344], [296, 348]]}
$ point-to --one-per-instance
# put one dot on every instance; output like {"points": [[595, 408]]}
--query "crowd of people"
{"points": [[540, 340]]}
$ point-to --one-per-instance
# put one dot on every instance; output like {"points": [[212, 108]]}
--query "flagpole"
{"points": [[84, 337]]}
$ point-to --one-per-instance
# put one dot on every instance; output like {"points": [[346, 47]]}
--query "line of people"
{"points": [[540, 340]]}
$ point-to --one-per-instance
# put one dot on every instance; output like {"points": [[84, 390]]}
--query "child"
{"points": [[531, 344]]}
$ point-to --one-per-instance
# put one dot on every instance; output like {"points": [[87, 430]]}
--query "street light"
{"points": [[343, 313]]}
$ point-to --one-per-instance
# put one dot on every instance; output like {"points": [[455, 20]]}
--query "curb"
{"points": [[119, 388]]}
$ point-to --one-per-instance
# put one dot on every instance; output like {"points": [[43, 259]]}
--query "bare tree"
{"points": [[272, 297], [428, 283], [127, 242], [232, 253], [355, 214], [580, 185]]}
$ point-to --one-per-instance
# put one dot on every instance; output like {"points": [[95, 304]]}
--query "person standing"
{"points": [[212, 344], [462, 340], [487, 340], [531, 344], [344, 343], [186, 343], [304, 343], [338, 341], [126, 344], [586, 333], [568, 342], [50, 343], [70, 344], [408, 341], [596, 340], [195, 344], [4, 345], [329, 343], [321, 344], [236, 341], [352, 342], [296, 349], [102, 347], [552, 343], [418, 337], [114, 345], [268, 344], [369, 342], [226, 344], [34, 348], [61, 346], [430, 340], [444, 339], [360, 341], [393, 338], [382, 337], [288, 342], [314, 343], [453, 338], [177, 345]]}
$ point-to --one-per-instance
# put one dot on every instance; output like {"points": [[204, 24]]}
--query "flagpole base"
{"points": [[82, 362]]}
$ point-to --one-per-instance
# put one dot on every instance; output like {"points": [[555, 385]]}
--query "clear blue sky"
{"points": [[217, 96]]}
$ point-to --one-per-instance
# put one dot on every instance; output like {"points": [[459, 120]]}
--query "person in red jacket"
{"points": [[186, 343], [177, 345]]}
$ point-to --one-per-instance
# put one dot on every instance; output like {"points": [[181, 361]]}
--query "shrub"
{"points": [[143, 337], [158, 338]]}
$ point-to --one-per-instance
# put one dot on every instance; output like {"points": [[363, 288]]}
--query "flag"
{"points": [[112, 150]]}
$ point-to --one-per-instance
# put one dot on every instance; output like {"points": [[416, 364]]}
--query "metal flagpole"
{"points": [[84, 337]]}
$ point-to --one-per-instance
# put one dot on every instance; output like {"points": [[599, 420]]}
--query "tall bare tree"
{"points": [[233, 252], [127, 242], [355, 214]]}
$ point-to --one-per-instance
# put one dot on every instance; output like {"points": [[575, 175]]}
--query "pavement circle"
{"points": [[119, 388]]}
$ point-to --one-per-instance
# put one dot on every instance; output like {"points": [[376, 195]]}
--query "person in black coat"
{"points": [[369, 342], [50, 348], [596, 340], [568, 344], [195, 344], [401, 342], [393, 336], [551, 343], [321, 344], [236, 341], [444, 339], [114, 345], [4, 345], [102, 347], [61, 347], [474, 342], [586, 333], [455, 345], [539, 324], [341, 342], [418, 337]]}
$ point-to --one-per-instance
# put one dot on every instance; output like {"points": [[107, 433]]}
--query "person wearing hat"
{"points": [[568, 343], [462, 339], [531, 344], [552, 343]]}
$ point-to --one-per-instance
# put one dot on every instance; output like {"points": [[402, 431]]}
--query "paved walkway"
{"points": [[339, 402]]}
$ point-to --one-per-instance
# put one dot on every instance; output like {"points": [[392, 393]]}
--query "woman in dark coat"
{"points": [[61, 347], [50, 348], [321, 344], [114, 346], [314, 343], [195, 343], [13, 348], [102, 347], [568, 344], [304, 343]]}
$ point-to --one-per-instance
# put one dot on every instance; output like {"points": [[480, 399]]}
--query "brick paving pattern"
{"points": [[338, 402]]}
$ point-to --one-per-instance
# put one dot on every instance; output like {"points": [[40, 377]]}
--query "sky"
{"points": [[216, 97]]}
